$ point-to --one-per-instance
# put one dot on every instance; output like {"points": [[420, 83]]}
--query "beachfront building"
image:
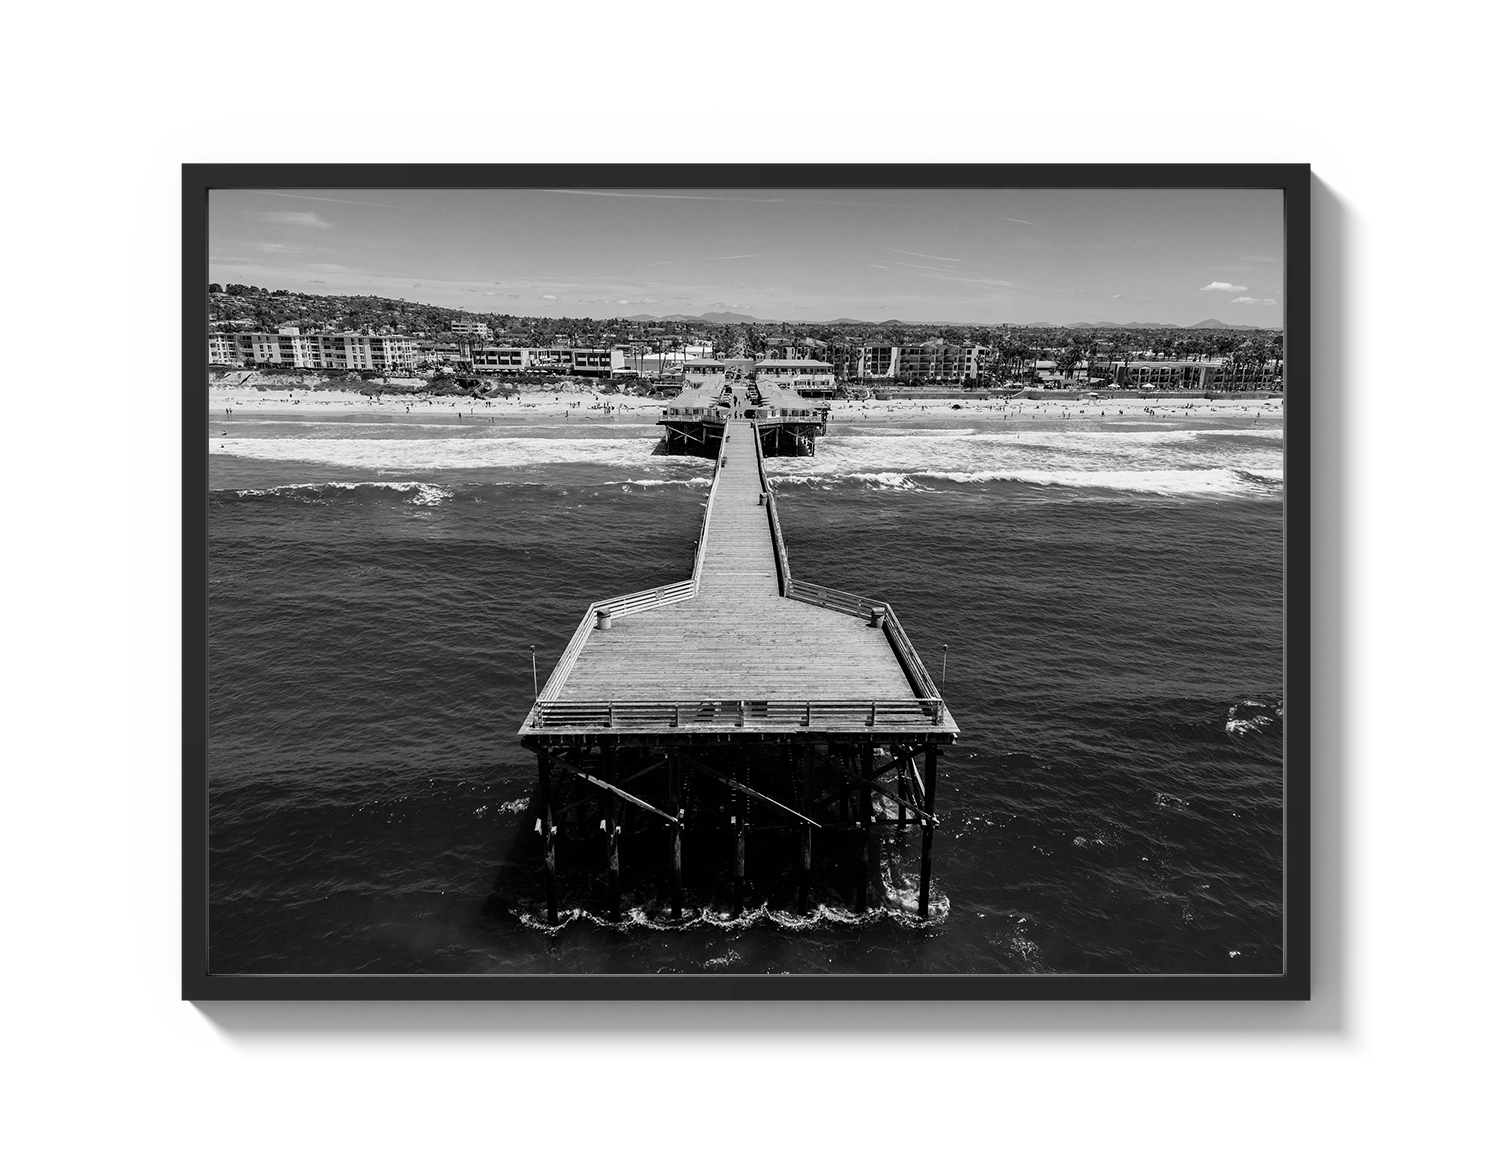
{"points": [[222, 351], [931, 361], [499, 359], [292, 348], [469, 329], [1192, 377], [594, 362], [811, 379], [496, 359]]}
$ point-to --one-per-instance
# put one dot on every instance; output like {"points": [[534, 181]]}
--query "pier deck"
{"points": [[740, 647]]}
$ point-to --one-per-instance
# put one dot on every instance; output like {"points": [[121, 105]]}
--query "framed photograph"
{"points": [[746, 582]]}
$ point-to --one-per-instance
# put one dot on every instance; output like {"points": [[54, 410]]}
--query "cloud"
{"points": [[1253, 301], [317, 282], [278, 247], [723, 198], [925, 255], [1117, 296], [548, 297], [923, 267], [1222, 286], [1012, 219], [294, 218], [326, 199], [701, 259]]}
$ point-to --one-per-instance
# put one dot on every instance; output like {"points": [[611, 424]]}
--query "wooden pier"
{"points": [[739, 701], [693, 423]]}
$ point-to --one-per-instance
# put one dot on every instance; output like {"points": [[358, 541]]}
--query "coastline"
{"points": [[585, 403]]}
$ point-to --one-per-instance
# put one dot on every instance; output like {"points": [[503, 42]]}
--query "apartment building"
{"points": [[1182, 377], [469, 329], [292, 348], [931, 361], [222, 351]]}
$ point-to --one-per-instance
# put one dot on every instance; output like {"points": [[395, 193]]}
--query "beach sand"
{"points": [[585, 403]]}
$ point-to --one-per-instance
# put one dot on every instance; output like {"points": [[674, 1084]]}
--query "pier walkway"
{"points": [[740, 647]]}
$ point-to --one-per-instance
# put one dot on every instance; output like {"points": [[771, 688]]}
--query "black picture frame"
{"points": [[330, 1016]]}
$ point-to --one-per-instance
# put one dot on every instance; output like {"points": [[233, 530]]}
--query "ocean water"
{"points": [[1110, 590]]}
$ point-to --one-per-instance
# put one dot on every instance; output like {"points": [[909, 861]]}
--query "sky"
{"points": [[968, 256]]}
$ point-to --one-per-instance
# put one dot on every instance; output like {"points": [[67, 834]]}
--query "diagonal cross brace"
{"points": [[741, 788], [870, 784], [558, 761], [896, 762]]}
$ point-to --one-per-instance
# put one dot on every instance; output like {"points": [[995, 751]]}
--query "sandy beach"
{"points": [[587, 403]]}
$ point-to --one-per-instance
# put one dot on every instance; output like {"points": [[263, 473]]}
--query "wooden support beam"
{"points": [[930, 798], [862, 805], [885, 792], [604, 784], [739, 803], [804, 875], [900, 756], [674, 793], [549, 835], [742, 789], [612, 824], [903, 797], [646, 771]]}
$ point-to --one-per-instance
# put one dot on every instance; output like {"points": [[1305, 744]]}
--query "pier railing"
{"points": [[836, 599], [740, 713], [627, 603], [783, 566]]}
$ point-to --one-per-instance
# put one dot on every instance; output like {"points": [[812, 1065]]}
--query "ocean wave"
{"points": [[1253, 715], [1162, 482], [423, 495]]}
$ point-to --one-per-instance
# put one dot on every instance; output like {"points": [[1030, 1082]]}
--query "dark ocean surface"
{"points": [[1110, 592]]}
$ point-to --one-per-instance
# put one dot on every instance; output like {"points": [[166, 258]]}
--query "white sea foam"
{"points": [[1169, 458]]}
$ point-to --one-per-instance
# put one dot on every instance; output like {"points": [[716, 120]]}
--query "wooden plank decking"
{"points": [[736, 639]]}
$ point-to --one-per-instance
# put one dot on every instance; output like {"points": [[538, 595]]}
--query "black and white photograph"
{"points": [[783, 579]]}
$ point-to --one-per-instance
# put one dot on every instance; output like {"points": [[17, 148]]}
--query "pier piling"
{"points": [[549, 834], [929, 803]]}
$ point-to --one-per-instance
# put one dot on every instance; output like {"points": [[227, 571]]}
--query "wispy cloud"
{"points": [[278, 248], [987, 281], [1222, 286], [923, 267], [1253, 301], [295, 218], [664, 195], [326, 199], [1013, 219], [703, 259], [925, 255], [548, 297], [725, 198]]}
